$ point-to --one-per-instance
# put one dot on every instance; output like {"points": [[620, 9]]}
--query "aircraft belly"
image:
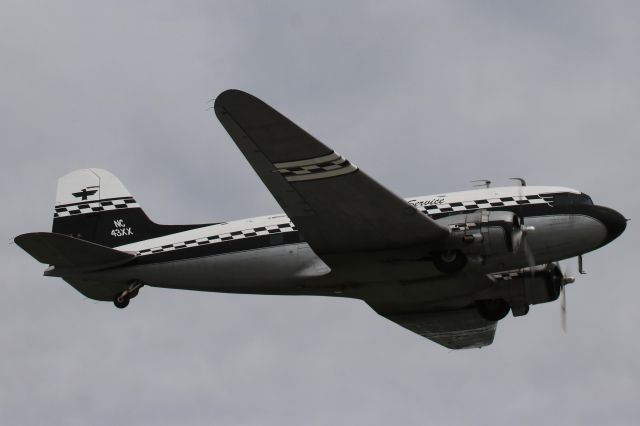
{"points": [[280, 269], [443, 292]]}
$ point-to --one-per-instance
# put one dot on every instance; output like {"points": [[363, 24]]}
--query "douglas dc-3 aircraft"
{"points": [[445, 266]]}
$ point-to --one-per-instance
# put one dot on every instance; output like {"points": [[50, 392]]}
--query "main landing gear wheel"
{"points": [[121, 300], [493, 309], [449, 262]]}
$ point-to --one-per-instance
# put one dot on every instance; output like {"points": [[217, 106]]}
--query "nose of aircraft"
{"points": [[612, 220]]}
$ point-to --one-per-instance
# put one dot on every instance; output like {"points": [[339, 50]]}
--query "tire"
{"points": [[493, 309], [449, 262], [121, 304]]}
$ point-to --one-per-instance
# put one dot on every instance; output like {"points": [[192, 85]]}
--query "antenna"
{"points": [[486, 183], [522, 181]]}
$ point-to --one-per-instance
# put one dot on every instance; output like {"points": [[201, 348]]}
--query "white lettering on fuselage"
{"points": [[121, 229]]}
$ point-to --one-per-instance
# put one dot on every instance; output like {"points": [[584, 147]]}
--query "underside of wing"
{"points": [[336, 206], [457, 329]]}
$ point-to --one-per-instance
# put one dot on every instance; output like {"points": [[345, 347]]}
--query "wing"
{"points": [[458, 329], [336, 206]]}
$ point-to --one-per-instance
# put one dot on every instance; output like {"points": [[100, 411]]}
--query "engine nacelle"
{"points": [[529, 286], [484, 232]]}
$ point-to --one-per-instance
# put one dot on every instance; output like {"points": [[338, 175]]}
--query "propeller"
{"points": [[528, 253], [521, 235], [520, 238], [563, 307], [564, 280]]}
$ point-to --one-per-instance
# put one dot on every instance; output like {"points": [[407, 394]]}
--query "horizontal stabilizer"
{"points": [[64, 251]]}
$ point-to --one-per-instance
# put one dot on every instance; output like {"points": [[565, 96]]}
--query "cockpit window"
{"points": [[562, 199], [566, 199]]}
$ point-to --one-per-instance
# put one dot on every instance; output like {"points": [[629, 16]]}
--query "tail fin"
{"points": [[93, 205]]}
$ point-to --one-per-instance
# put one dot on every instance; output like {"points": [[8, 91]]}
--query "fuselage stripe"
{"points": [[94, 206], [434, 211], [214, 239]]}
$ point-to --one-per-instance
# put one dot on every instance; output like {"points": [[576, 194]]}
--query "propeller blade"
{"points": [[524, 230], [566, 279], [531, 260], [563, 308]]}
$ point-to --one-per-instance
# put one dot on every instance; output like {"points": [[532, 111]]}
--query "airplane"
{"points": [[446, 266]]}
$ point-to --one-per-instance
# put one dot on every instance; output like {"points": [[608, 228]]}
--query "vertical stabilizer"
{"points": [[93, 205]]}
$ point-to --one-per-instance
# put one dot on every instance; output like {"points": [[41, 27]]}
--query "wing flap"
{"points": [[336, 206], [64, 251]]}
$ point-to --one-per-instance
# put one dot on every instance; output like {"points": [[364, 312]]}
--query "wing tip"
{"points": [[229, 96]]}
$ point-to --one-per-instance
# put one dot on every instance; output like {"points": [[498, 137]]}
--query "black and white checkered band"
{"points": [[235, 235], [94, 206], [506, 276], [315, 168], [431, 209]]}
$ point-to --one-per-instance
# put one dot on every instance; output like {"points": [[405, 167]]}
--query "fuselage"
{"points": [[267, 255]]}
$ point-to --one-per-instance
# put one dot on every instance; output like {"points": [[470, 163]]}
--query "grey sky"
{"points": [[423, 95]]}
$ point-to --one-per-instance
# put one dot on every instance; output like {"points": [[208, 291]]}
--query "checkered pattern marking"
{"points": [[506, 276], [431, 209], [94, 206], [315, 168], [214, 239]]}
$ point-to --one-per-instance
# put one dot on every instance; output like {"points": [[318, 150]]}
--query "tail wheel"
{"points": [[449, 262], [121, 302], [493, 309]]}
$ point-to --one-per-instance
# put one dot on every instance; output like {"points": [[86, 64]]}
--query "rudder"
{"points": [[93, 205]]}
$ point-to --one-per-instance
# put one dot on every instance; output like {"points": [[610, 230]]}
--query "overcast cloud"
{"points": [[423, 95]]}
